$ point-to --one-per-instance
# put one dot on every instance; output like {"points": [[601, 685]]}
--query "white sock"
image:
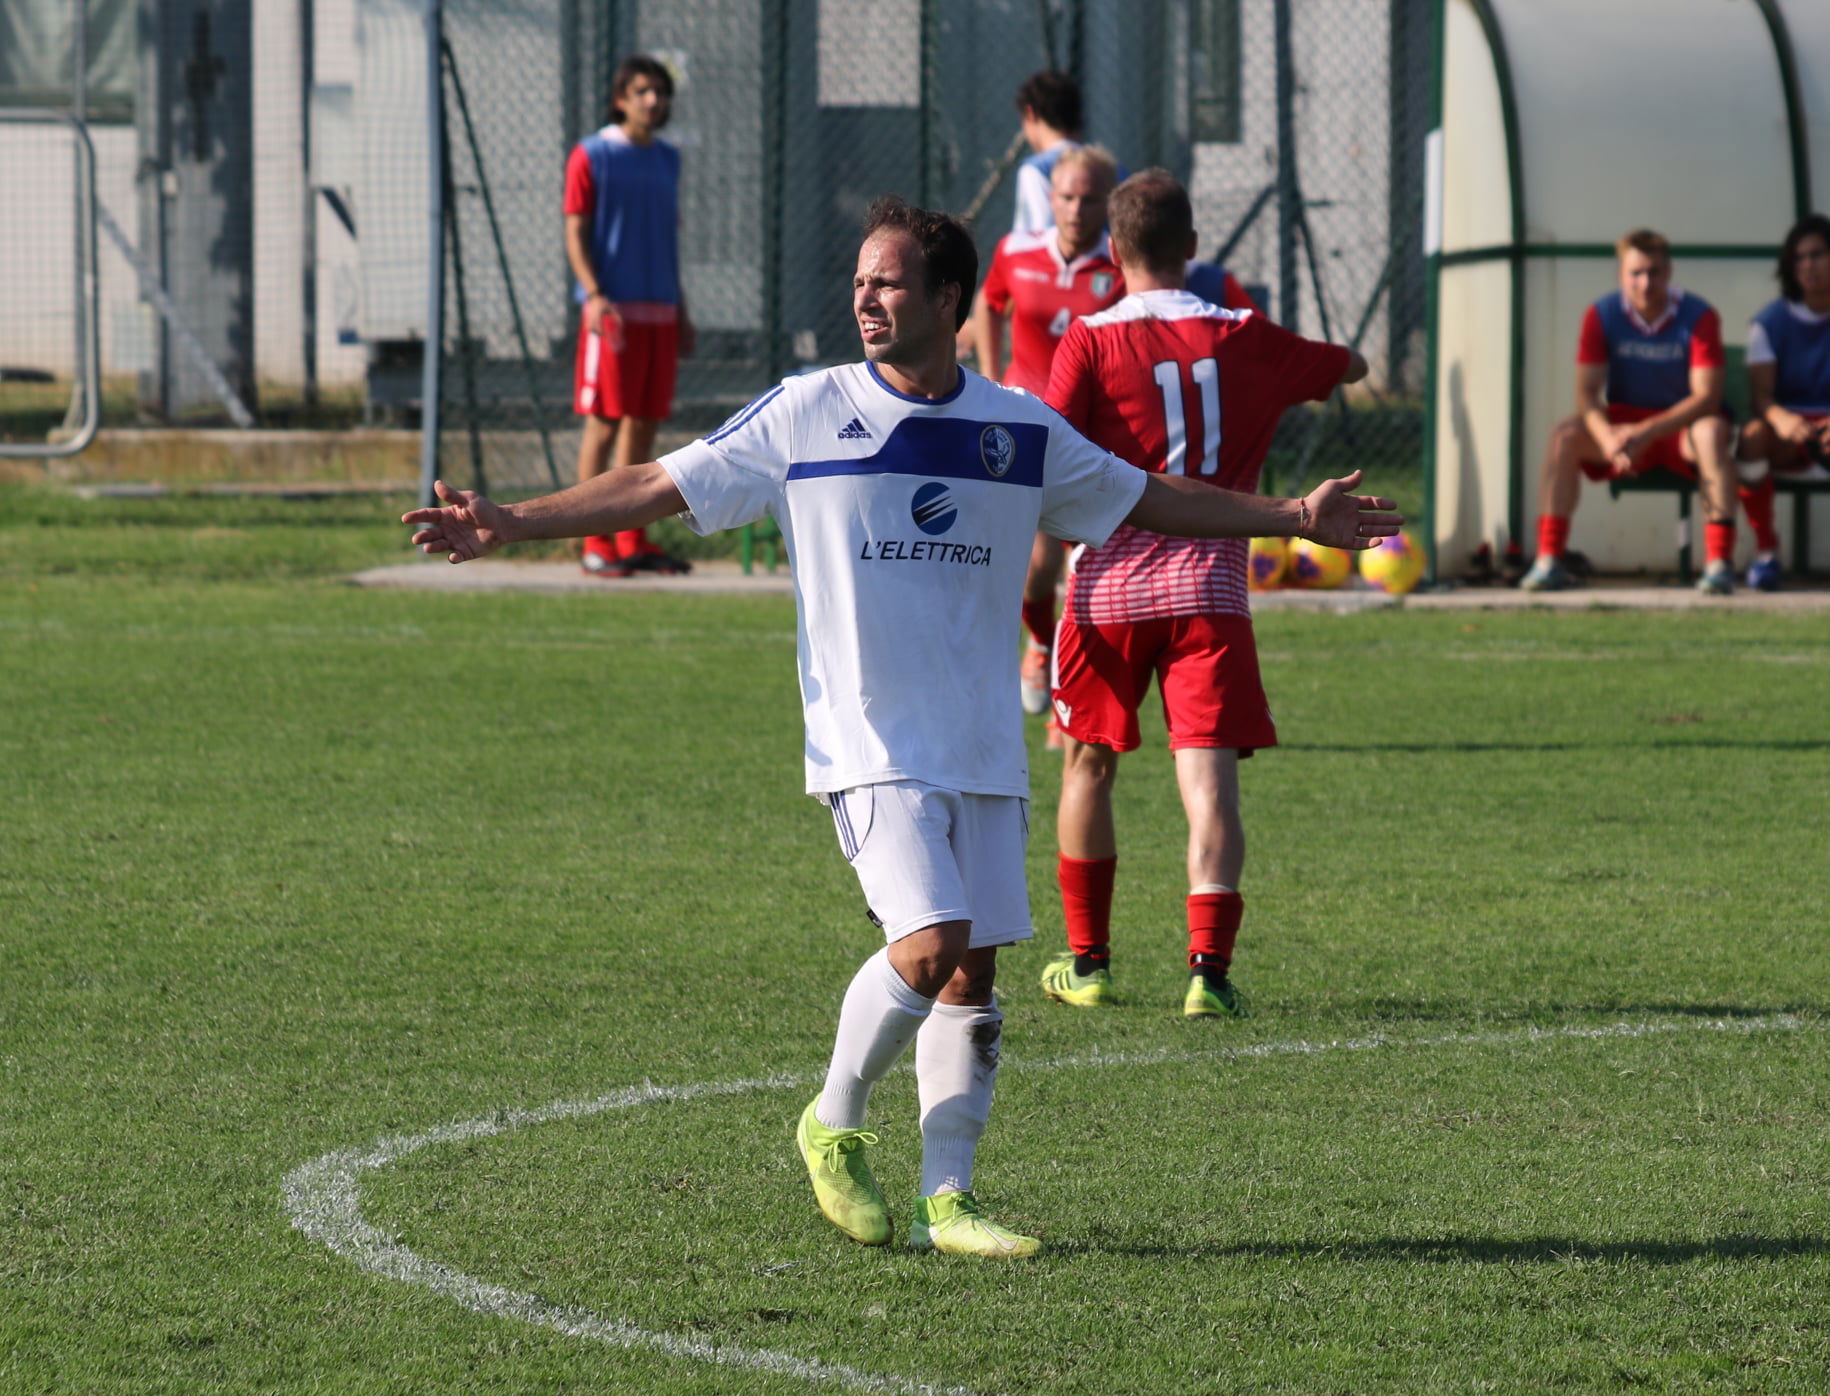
{"points": [[956, 1066], [879, 1018]]}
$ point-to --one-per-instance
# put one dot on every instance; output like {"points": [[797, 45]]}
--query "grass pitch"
{"points": [[1535, 1097]]}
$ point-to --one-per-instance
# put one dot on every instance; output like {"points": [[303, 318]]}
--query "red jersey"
{"points": [[1046, 294], [1173, 384]]}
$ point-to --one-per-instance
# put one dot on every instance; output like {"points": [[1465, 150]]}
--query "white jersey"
{"points": [[908, 524]]}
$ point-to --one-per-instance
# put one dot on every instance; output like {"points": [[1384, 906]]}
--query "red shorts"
{"points": [[628, 372], [1206, 668], [1664, 454]]}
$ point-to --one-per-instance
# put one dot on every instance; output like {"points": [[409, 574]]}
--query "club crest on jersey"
{"points": [[1102, 284], [933, 508], [998, 449]]}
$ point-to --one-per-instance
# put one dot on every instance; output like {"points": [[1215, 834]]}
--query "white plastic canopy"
{"points": [[1561, 125]]}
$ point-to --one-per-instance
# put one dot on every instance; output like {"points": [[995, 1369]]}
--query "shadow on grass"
{"points": [[1456, 1250], [1540, 748], [1386, 1011], [1695, 1010]]}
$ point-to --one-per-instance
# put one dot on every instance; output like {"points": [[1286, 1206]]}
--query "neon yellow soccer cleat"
{"points": [[842, 1181], [1203, 1000], [952, 1224], [1060, 983]]}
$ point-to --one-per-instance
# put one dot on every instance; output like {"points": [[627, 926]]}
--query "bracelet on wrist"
{"points": [[1302, 521]]}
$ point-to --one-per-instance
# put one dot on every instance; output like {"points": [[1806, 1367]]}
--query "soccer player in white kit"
{"points": [[907, 490]]}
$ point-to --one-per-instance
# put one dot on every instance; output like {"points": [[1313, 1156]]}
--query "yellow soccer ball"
{"points": [[1266, 563], [1316, 566], [1395, 565]]}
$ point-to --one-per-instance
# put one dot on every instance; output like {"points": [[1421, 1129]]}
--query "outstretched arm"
{"points": [[471, 526], [1185, 508]]}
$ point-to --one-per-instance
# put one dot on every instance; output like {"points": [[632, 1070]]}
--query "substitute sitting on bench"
{"points": [[1788, 379], [1654, 353]]}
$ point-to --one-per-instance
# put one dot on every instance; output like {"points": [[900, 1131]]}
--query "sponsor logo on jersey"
{"points": [[1652, 351], [933, 508], [998, 449], [854, 430], [1028, 274], [1102, 283], [922, 550]]}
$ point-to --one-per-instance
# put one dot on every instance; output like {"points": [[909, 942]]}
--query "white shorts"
{"points": [[925, 855]]}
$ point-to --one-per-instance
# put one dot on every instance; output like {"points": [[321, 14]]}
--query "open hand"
{"points": [[470, 526], [1353, 521]]}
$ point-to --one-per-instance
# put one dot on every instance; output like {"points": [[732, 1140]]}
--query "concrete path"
{"points": [[723, 578]]}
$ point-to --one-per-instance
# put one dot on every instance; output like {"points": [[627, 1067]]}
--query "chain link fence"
{"points": [[271, 175]]}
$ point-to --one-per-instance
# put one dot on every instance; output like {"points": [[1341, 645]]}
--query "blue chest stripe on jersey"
{"points": [[743, 415], [941, 448]]}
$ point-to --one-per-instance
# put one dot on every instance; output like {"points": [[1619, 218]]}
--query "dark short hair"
{"points": [[638, 65], [1802, 229], [1655, 245], [1152, 221], [1053, 96], [947, 251]]}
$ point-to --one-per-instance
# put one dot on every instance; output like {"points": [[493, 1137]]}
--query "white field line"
{"points": [[323, 1198]]}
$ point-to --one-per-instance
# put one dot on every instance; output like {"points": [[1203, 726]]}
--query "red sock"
{"points": [[1757, 500], [603, 547], [632, 542], [1213, 926], [1719, 542], [1086, 903], [1039, 620], [1553, 534]]}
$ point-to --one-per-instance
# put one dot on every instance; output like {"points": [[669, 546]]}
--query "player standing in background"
{"points": [[1042, 281], [622, 212], [907, 489], [1216, 285], [1049, 103], [1788, 376], [1654, 352], [1185, 390]]}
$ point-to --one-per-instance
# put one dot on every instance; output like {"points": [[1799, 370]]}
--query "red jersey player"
{"points": [[1042, 281], [1176, 385], [1655, 355]]}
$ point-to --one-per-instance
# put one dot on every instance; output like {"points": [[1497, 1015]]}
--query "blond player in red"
{"points": [[1042, 281], [1179, 386]]}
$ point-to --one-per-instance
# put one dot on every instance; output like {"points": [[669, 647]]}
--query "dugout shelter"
{"points": [[1560, 125]]}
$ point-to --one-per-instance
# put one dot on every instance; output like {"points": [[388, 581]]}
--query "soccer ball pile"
{"points": [[1396, 565], [1321, 568], [1266, 563]]}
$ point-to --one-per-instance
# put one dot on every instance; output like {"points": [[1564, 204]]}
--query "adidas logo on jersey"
{"points": [[854, 430]]}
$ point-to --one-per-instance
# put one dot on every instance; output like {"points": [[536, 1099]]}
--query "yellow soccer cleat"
{"points": [[952, 1224], [1205, 1000], [1061, 984], [842, 1181]]}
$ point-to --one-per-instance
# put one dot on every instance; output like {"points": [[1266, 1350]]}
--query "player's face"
{"points": [[1078, 197], [1644, 279], [1811, 263], [898, 321], [644, 105]]}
